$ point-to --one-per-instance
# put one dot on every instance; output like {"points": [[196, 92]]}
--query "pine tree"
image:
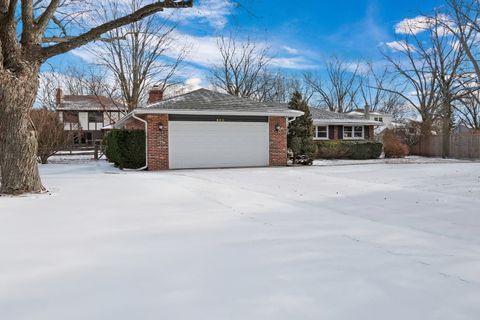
{"points": [[301, 130]]}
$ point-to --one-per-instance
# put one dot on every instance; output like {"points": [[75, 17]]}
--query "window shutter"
{"points": [[367, 132], [331, 132], [340, 132]]}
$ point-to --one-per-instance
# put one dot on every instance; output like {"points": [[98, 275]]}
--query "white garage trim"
{"points": [[210, 144]]}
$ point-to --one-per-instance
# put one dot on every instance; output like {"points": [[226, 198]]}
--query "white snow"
{"points": [[376, 241]]}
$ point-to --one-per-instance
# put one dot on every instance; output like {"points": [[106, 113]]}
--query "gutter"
{"points": [[287, 113]]}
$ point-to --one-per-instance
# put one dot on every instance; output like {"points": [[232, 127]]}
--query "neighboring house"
{"points": [[86, 115], [386, 118], [208, 129], [341, 126]]}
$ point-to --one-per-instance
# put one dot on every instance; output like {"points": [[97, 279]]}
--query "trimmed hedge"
{"points": [[343, 149], [125, 148]]}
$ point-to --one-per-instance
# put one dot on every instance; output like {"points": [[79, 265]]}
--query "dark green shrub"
{"points": [[343, 149], [300, 131], [126, 148]]}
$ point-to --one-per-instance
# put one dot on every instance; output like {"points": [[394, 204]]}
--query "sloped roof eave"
{"points": [[276, 113], [347, 122], [286, 114]]}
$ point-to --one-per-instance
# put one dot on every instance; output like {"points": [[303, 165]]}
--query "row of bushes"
{"points": [[125, 148], [342, 149]]}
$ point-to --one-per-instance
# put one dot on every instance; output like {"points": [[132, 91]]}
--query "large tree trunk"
{"points": [[18, 142]]}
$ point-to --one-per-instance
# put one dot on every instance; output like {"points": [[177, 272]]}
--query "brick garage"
{"points": [[207, 129]]}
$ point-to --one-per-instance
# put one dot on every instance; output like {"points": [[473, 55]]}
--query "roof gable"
{"points": [[208, 100]]}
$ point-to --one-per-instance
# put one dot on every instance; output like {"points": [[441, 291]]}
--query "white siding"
{"points": [[83, 118]]}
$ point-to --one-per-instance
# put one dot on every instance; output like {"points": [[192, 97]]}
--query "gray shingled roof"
{"points": [[208, 100], [326, 116], [89, 103]]}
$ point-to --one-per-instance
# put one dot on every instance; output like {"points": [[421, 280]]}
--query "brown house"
{"points": [[208, 129], [86, 115], [340, 126]]}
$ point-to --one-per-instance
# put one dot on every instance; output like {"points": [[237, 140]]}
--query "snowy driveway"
{"points": [[377, 241]]}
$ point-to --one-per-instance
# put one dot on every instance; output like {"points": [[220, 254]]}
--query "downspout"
{"points": [[146, 141]]}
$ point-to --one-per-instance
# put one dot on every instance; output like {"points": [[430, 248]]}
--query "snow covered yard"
{"points": [[377, 241]]}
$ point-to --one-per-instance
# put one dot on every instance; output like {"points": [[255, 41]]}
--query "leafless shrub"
{"points": [[50, 134], [393, 145]]}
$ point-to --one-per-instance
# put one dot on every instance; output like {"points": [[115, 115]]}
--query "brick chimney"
{"points": [[59, 96], [367, 112], [155, 95]]}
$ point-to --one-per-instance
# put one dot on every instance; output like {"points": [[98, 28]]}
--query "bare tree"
{"points": [[32, 32], [279, 88], [440, 59], [415, 81], [446, 60], [375, 98], [340, 91], [51, 136], [88, 80], [464, 24], [48, 85], [468, 110], [243, 70], [137, 54]]}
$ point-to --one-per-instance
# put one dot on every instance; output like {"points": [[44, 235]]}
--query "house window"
{"points": [[70, 117], [321, 132], [379, 119], [353, 132], [95, 116]]}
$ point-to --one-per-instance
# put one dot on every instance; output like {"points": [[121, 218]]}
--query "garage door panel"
{"points": [[194, 144]]}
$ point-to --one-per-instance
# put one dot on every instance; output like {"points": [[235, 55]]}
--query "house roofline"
{"points": [[351, 122], [286, 114]]}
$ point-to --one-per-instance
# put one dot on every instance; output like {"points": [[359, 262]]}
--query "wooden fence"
{"points": [[462, 146]]}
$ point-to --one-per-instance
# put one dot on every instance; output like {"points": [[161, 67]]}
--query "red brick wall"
{"points": [[134, 124], [371, 133], [336, 133], [278, 141], [157, 142]]}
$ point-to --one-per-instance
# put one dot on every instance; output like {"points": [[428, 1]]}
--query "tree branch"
{"points": [[96, 32], [46, 16]]}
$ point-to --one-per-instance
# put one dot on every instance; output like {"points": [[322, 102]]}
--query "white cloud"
{"points": [[419, 24], [289, 50], [295, 63], [194, 83], [213, 12], [413, 26], [203, 53], [400, 46]]}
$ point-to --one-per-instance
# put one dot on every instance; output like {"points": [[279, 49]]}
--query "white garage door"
{"points": [[209, 144]]}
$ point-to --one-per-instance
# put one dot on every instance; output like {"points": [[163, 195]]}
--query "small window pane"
{"points": [[348, 132], [322, 132], [358, 132], [95, 116]]}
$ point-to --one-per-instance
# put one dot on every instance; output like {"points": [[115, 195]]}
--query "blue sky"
{"points": [[349, 28], [303, 34]]}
